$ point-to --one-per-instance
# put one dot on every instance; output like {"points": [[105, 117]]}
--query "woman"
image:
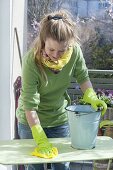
{"points": [[47, 71]]}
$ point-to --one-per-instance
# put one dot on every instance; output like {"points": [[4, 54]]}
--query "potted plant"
{"points": [[106, 123], [107, 120]]}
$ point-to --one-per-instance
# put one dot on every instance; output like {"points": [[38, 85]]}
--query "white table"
{"points": [[15, 152]]}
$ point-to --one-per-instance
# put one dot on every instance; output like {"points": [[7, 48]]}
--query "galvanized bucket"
{"points": [[84, 124]]}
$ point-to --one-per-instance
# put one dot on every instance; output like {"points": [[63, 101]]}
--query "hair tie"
{"points": [[56, 17]]}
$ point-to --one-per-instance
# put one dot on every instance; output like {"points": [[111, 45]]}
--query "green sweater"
{"points": [[49, 101]]}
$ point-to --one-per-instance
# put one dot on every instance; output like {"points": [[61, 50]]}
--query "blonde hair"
{"points": [[58, 26]]}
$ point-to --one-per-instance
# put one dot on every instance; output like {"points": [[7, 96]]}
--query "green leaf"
{"points": [[106, 123]]}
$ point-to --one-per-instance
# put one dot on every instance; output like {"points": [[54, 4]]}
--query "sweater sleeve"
{"points": [[30, 83], [81, 71]]}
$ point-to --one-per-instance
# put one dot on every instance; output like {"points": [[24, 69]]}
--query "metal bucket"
{"points": [[84, 124]]}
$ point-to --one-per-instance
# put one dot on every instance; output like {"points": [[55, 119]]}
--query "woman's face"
{"points": [[54, 49]]}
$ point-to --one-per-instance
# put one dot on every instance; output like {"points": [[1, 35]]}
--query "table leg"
{"points": [[45, 166], [94, 166], [109, 164]]}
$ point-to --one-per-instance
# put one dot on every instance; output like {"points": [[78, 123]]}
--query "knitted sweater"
{"points": [[49, 101]]}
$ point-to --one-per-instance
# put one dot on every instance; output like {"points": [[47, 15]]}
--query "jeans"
{"points": [[24, 132]]}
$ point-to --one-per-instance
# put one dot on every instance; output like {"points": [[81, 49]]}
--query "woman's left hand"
{"points": [[91, 98]]}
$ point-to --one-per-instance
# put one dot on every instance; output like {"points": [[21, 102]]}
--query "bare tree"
{"points": [[37, 8]]}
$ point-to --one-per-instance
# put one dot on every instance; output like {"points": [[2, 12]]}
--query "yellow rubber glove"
{"points": [[45, 149], [91, 98]]}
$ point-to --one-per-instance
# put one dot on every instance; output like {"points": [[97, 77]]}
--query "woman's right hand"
{"points": [[45, 149]]}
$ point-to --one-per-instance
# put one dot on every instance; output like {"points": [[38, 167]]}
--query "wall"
{"points": [[5, 126], [18, 21], [5, 70], [11, 15]]}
